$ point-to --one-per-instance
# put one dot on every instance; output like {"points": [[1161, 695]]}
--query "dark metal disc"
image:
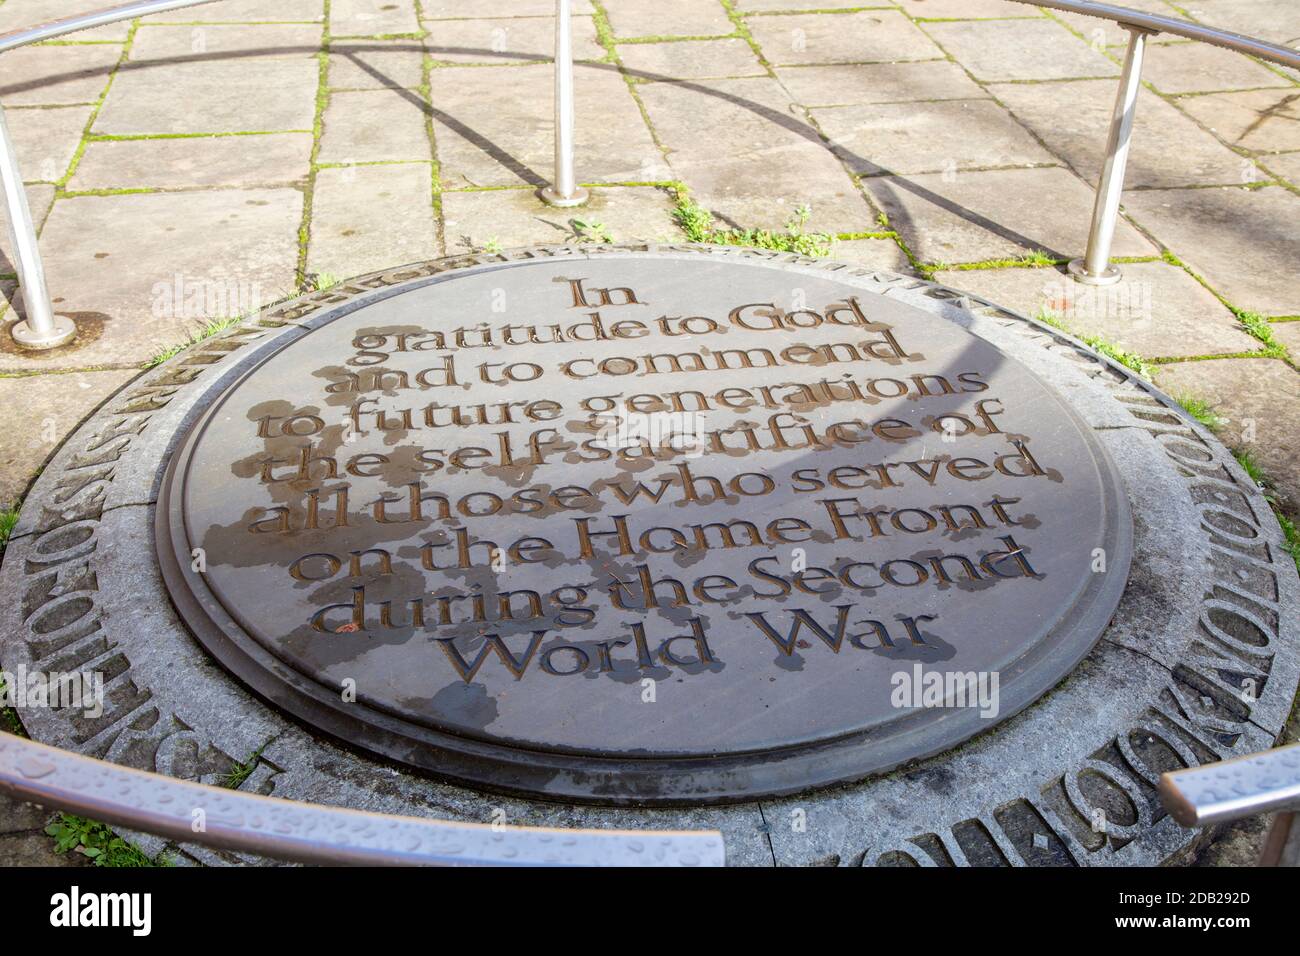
{"points": [[643, 528]]}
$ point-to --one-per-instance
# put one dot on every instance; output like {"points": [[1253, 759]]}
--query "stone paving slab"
{"points": [[994, 214], [863, 37], [516, 217], [1261, 120], [1286, 165], [39, 199], [507, 40], [211, 96], [119, 257], [690, 59], [18, 817], [469, 9], [1073, 119], [1245, 242], [373, 17], [54, 404], [34, 848], [883, 254], [492, 127], [854, 85], [247, 11], [159, 41], [1288, 333], [46, 140], [768, 6], [1265, 392], [1193, 67], [996, 50], [1266, 19], [929, 137], [371, 217], [966, 9], [376, 64], [373, 126], [1157, 310], [743, 154], [664, 18], [57, 75], [188, 162]]}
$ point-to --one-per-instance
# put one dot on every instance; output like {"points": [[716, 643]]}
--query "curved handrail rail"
{"points": [[1150, 22], [314, 833], [326, 834], [89, 20], [1158, 23]]}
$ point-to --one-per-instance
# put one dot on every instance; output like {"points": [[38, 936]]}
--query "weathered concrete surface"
{"points": [[1243, 241], [1156, 310], [993, 214], [517, 217], [365, 215], [1071, 118], [949, 135]]}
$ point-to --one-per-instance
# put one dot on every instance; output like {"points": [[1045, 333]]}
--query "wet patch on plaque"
{"points": [[644, 529]]}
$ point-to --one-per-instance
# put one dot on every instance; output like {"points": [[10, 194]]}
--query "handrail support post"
{"points": [[1095, 268], [564, 191], [42, 329]]}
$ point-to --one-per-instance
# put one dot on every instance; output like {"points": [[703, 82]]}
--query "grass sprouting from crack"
{"points": [[320, 281], [8, 716], [1205, 413], [1201, 410], [1260, 328], [1257, 474], [1130, 360], [698, 225], [97, 842], [1038, 259], [9, 720], [1251, 467], [8, 521], [591, 230], [213, 327], [1292, 537], [242, 771]]}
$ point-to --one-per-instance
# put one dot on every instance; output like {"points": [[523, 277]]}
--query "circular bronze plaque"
{"points": [[643, 527]]}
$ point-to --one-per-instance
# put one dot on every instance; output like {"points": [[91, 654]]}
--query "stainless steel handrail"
{"points": [[1175, 26], [312, 833], [42, 329], [1242, 787], [1095, 267], [90, 20], [1232, 789]]}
